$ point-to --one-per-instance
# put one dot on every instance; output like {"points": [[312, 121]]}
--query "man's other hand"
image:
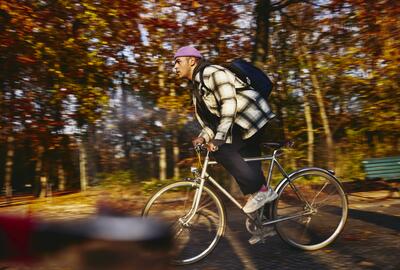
{"points": [[198, 140], [214, 145]]}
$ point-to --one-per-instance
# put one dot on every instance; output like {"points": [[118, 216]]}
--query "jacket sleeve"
{"points": [[223, 84], [206, 132]]}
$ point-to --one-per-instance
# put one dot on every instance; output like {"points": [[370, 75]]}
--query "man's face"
{"points": [[183, 66]]}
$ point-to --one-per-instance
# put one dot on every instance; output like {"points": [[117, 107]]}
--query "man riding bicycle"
{"points": [[232, 122]]}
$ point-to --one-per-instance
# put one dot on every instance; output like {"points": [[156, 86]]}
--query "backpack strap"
{"points": [[202, 83], [201, 72], [239, 74]]}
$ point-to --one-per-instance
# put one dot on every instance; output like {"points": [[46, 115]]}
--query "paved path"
{"points": [[370, 240]]}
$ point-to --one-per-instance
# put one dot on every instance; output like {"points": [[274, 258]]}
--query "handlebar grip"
{"points": [[203, 146], [200, 147]]}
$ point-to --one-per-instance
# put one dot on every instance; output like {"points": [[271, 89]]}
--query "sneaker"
{"points": [[258, 199], [261, 234]]}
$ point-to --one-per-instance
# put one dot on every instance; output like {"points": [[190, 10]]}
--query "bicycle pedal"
{"points": [[261, 236]]}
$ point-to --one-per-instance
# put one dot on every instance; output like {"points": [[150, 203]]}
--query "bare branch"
{"points": [[282, 4], [311, 2], [279, 3], [289, 21]]}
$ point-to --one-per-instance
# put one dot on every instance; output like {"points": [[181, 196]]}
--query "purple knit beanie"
{"points": [[188, 51]]}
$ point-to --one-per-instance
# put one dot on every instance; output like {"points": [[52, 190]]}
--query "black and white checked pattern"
{"points": [[245, 108]]}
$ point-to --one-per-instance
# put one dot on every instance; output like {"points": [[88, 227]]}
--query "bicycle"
{"points": [[309, 213]]}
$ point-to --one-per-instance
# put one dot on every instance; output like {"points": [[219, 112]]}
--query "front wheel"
{"points": [[194, 238], [316, 208]]}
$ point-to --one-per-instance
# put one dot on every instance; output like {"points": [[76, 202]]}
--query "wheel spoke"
{"points": [[304, 229], [329, 198], [206, 204], [319, 192], [298, 194]]}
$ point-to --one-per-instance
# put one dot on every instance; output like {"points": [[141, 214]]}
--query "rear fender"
{"points": [[295, 173]]}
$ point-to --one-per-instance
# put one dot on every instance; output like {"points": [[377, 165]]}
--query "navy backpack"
{"points": [[250, 74]]}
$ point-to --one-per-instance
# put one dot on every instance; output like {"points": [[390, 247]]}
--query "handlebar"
{"points": [[272, 145], [200, 147], [204, 147]]}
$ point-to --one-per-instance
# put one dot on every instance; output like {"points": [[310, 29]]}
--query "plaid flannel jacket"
{"points": [[245, 108]]}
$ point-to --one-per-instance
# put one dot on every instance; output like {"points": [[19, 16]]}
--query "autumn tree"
{"points": [[59, 59]]}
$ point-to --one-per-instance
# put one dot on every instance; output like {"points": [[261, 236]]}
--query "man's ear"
{"points": [[192, 61]]}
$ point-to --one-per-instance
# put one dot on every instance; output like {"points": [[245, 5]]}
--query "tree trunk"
{"points": [[154, 162], [174, 126], [61, 176], [175, 149], [321, 104], [283, 95], [90, 145], [161, 75], [324, 117], [38, 190], [310, 131], [44, 184], [163, 163], [124, 127], [163, 150], [278, 124], [83, 165], [262, 12], [9, 167]]}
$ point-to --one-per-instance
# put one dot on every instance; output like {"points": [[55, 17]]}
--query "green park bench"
{"points": [[386, 168]]}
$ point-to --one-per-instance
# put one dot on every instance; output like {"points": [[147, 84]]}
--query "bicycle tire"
{"points": [[323, 226], [201, 236]]}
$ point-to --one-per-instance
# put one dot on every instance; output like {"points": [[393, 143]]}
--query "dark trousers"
{"points": [[249, 175]]}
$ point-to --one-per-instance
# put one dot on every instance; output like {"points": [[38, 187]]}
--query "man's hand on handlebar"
{"points": [[211, 146], [198, 141]]}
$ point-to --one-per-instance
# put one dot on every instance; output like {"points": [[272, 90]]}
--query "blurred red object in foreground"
{"points": [[99, 242]]}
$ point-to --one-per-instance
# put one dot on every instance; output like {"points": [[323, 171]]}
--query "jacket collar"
{"points": [[200, 65]]}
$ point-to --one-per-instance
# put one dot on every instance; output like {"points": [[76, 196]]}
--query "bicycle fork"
{"points": [[196, 201]]}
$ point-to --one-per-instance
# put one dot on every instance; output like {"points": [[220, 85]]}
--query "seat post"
{"points": [[271, 167]]}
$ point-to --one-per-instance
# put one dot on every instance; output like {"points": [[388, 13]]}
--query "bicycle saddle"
{"points": [[278, 145]]}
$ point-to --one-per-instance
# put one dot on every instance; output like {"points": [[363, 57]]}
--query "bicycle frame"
{"points": [[205, 176]]}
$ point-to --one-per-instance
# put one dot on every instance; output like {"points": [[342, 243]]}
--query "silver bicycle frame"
{"points": [[205, 176]]}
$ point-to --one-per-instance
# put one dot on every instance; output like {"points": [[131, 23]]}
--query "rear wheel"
{"points": [[194, 238], [317, 199]]}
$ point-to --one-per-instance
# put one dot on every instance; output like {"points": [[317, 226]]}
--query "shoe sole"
{"points": [[253, 242]]}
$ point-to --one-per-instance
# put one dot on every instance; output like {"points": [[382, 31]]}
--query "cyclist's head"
{"points": [[185, 60]]}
